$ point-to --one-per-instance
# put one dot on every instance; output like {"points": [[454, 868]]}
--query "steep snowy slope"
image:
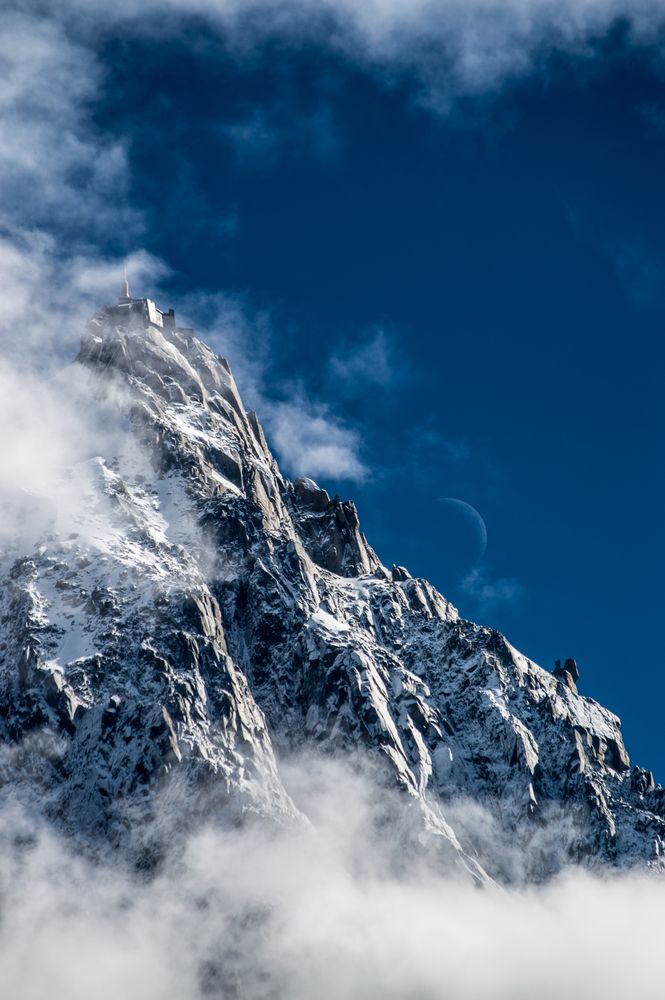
{"points": [[205, 614]]}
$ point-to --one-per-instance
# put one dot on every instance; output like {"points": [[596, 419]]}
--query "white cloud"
{"points": [[311, 440], [52, 431], [309, 437], [49, 294], [55, 168], [345, 907], [64, 188]]}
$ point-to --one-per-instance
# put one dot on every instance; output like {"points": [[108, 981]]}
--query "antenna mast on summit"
{"points": [[124, 290]]}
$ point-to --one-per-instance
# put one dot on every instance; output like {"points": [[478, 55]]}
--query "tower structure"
{"points": [[124, 296], [139, 313]]}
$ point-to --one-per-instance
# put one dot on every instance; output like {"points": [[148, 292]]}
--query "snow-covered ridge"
{"points": [[208, 616]]}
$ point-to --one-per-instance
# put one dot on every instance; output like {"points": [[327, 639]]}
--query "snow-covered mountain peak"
{"points": [[208, 617]]}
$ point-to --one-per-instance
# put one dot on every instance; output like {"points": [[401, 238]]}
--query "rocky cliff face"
{"points": [[208, 616]]}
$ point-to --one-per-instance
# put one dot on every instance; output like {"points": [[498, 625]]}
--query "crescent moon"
{"points": [[471, 512]]}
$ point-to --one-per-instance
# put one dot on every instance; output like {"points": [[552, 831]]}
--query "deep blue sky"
{"points": [[512, 253]]}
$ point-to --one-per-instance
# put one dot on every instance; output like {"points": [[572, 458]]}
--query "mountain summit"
{"points": [[201, 618]]}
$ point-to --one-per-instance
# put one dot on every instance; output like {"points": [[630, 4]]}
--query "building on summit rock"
{"points": [[139, 312]]}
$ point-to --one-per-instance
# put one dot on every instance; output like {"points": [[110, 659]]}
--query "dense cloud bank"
{"points": [[333, 908]]}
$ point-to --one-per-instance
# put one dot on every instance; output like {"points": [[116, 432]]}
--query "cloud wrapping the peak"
{"points": [[66, 188], [329, 910], [49, 294]]}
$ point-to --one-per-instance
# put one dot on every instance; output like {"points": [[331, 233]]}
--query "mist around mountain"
{"points": [[333, 908], [242, 758]]}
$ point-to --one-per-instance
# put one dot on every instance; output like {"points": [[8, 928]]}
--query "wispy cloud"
{"points": [[638, 263], [487, 593], [66, 184], [312, 441], [55, 167], [55, 164], [451, 47], [641, 271], [266, 134], [309, 437], [441, 448], [65, 187], [49, 293], [653, 114], [369, 361]]}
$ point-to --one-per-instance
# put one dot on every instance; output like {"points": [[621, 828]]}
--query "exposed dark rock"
{"points": [[224, 611], [569, 673]]}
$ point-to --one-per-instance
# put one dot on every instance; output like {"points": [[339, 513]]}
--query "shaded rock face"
{"points": [[210, 616], [330, 531], [569, 673]]}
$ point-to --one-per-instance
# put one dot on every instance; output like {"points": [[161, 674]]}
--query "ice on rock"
{"points": [[208, 609]]}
